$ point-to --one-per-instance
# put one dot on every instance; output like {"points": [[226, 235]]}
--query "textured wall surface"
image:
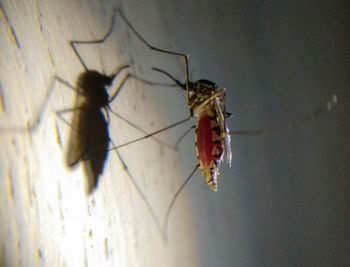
{"points": [[284, 202]]}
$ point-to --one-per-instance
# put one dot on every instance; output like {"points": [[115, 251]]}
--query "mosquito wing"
{"points": [[225, 132]]}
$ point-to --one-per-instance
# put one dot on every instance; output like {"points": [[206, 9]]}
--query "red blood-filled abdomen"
{"points": [[205, 143]]}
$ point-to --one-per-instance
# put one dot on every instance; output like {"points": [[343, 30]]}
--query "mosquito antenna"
{"points": [[174, 199], [159, 50], [294, 124]]}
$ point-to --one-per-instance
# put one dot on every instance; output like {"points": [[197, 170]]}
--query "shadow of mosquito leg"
{"points": [[59, 79], [98, 41], [151, 134], [60, 112], [32, 125], [142, 195], [185, 57], [68, 110], [167, 215], [141, 130], [128, 76], [119, 89]]}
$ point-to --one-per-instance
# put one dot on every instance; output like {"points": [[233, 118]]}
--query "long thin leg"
{"points": [[98, 41], [32, 124], [141, 138], [129, 75], [139, 129], [291, 125], [142, 195], [75, 89], [118, 90], [158, 49], [151, 134], [183, 135], [166, 219]]}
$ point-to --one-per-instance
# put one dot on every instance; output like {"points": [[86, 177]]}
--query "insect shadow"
{"points": [[89, 138], [206, 101]]}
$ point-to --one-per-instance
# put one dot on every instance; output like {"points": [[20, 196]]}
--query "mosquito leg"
{"points": [[138, 139], [129, 75], [138, 189], [33, 124], [139, 129], [151, 134], [118, 90], [166, 219], [36, 122], [98, 41], [75, 89], [294, 124], [158, 49], [183, 135]]}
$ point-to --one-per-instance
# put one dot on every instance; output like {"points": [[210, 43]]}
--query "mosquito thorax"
{"points": [[200, 91]]}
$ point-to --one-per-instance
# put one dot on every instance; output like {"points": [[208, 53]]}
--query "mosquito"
{"points": [[206, 102]]}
